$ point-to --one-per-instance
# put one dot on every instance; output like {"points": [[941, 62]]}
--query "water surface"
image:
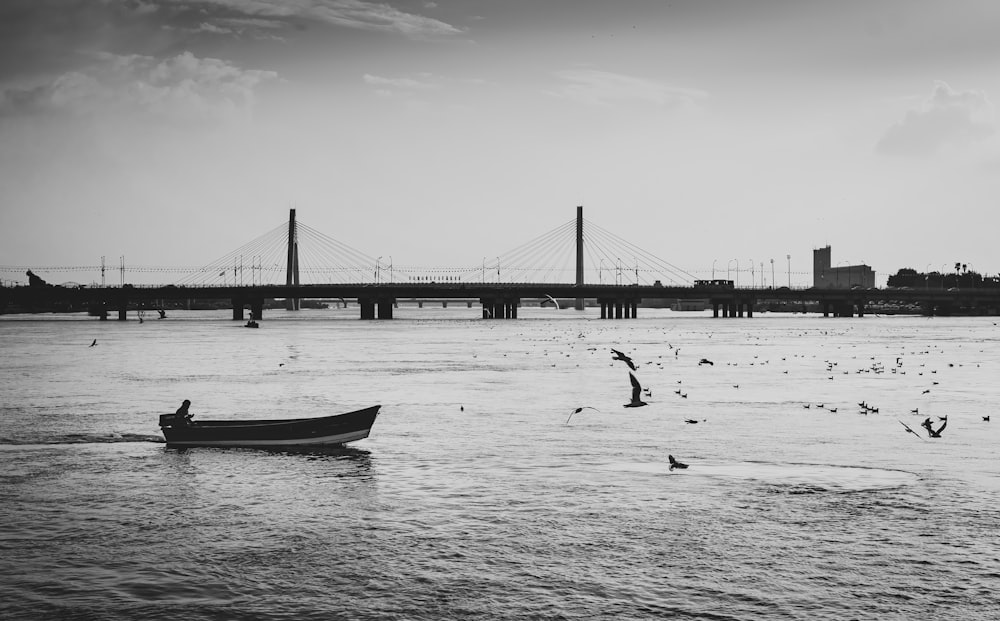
{"points": [[473, 498]]}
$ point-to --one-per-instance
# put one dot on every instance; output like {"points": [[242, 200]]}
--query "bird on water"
{"points": [[676, 464]]}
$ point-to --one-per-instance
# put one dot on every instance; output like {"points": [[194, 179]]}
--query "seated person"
{"points": [[183, 416]]}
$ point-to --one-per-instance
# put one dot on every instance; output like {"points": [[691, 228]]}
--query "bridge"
{"points": [[578, 260]]}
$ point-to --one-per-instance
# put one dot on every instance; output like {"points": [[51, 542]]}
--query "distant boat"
{"points": [[319, 431]]}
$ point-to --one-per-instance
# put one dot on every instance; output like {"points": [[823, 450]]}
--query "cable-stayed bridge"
{"points": [[294, 253], [577, 260]]}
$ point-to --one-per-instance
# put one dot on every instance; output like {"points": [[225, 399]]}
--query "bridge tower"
{"points": [[579, 254], [292, 272]]}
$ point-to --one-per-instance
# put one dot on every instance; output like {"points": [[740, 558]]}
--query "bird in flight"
{"points": [[676, 464], [578, 410], [94, 343], [636, 402], [908, 430], [620, 356]]}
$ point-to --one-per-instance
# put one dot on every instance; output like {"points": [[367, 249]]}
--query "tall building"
{"points": [[825, 276]]}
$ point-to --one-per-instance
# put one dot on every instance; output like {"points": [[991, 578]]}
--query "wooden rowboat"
{"points": [[319, 431]]}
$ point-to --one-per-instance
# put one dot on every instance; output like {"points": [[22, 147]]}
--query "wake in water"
{"points": [[86, 438], [812, 477]]}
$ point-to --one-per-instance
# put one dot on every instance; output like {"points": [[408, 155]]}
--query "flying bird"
{"points": [[930, 430], [620, 356], [578, 410], [676, 464], [908, 430], [94, 343], [705, 361], [636, 402], [554, 301]]}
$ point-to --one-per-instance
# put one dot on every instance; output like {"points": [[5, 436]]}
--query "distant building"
{"points": [[825, 276]]}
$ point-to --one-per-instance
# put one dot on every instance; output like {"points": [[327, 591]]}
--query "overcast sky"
{"points": [[440, 133]]}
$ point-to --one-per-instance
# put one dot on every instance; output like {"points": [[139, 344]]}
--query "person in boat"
{"points": [[183, 416], [930, 430]]}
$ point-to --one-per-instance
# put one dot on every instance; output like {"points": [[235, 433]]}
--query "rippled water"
{"points": [[473, 498]]}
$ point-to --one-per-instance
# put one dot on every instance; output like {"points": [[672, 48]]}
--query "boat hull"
{"points": [[322, 431]]}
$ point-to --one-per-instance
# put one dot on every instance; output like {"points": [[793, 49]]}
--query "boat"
{"points": [[318, 431]]}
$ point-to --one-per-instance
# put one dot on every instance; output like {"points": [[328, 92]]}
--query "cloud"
{"points": [[184, 88], [946, 119], [357, 14], [403, 83], [603, 88]]}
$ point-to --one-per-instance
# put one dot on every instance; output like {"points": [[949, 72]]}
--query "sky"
{"points": [[709, 133]]}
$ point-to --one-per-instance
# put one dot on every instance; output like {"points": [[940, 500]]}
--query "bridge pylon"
{"points": [[292, 266], [579, 254]]}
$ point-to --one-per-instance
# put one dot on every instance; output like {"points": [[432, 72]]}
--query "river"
{"points": [[477, 496]]}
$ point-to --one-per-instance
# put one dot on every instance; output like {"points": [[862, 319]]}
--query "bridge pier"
{"points": [[376, 309], [500, 309], [385, 309], [612, 308], [122, 309], [367, 309]]}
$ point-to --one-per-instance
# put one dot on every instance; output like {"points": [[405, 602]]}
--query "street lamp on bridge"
{"points": [[789, 257], [728, 277]]}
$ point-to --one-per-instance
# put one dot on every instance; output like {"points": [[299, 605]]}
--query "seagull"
{"points": [[676, 464], [986, 418], [915, 411], [636, 402], [705, 361], [908, 430], [690, 421], [94, 343], [930, 431], [620, 356], [554, 301], [578, 410], [926, 391]]}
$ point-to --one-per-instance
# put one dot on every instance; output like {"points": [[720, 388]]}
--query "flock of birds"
{"points": [[638, 393]]}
